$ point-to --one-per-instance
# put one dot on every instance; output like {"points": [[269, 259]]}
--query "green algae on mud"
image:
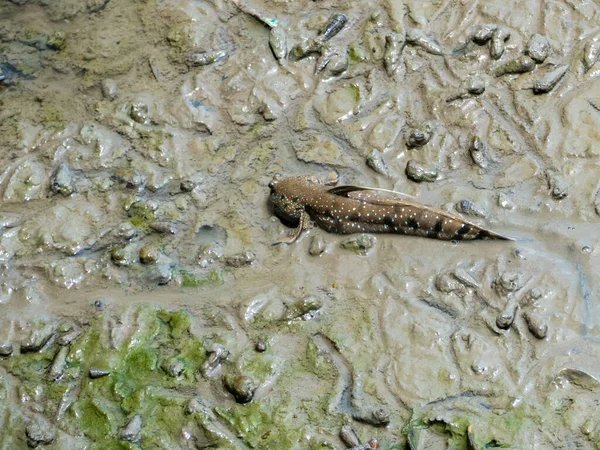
{"points": [[137, 381], [467, 428], [192, 279]]}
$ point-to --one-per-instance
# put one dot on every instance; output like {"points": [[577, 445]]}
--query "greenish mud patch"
{"points": [[52, 117], [487, 430], [140, 380], [190, 279]]}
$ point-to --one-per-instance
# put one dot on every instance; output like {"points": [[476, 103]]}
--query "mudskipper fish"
{"points": [[357, 209]]}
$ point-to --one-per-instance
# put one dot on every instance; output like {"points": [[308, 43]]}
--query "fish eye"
{"points": [[274, 181]]}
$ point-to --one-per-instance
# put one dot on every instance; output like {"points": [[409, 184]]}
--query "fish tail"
{"points": [[463, 230]]}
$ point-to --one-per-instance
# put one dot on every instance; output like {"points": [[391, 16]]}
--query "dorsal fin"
{"points": [[343, 190]]}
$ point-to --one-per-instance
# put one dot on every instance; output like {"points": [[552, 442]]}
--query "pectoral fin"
{"points": [[302, 225]]}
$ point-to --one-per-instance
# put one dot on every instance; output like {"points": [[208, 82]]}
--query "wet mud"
{"points": [[142, 303]]}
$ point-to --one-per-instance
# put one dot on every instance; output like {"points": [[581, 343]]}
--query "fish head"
{"points": [[289, 196]]}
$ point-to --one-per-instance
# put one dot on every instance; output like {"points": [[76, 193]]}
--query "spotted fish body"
{"points": [[353, 209]]}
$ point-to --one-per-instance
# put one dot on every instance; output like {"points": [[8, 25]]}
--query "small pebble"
{"points": [[133, 178], [417, 37], [188, 185], [98, 373], [63, 181], [278, 42], [508, 282], [373, 443], [118, 255], [317, 246], [536, 325], [6, 349], [475, 85], [194, 406], [361, 244], [479, 152], [377, 417], [39, 432], [139, 112], [241, 387], [58, 364], [559, 189], [161, 274], [126, 230], [37, 339], [349, 437], [338, 64], [538, 48], [149, 255], [176, 369], [164, 227], [332, 178], [471, 209], [260, 346], [484, 33], [110, 89], [504, 202], [505, 319], [216, 355], [132, 431], [376, 162], [394, 43], [519, 65], [207, 58], [591, 52], [549, 80], [419, 173], [70, 336], [417, 137], [57, 40], [240, 259], [499, 38]]}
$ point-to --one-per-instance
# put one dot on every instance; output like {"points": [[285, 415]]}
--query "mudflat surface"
{"points": [[142, 303]]}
